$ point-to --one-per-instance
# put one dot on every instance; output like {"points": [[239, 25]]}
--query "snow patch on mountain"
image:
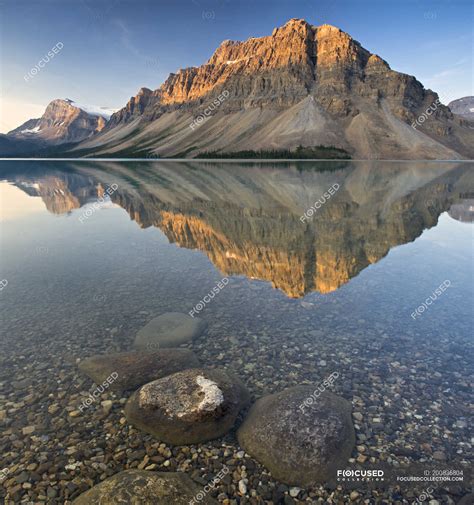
{"points": [[93, 110], [36, 129]]}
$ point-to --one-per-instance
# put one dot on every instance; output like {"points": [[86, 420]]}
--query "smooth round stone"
{"points": [[169, 330], [145, 488], [188, 407], [129, 370], [300, 446]]}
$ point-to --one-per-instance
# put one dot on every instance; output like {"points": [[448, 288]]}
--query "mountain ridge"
{"points": [[302, 85]]}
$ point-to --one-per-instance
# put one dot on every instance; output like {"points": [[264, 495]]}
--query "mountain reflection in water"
{"points": [[246, 216]]}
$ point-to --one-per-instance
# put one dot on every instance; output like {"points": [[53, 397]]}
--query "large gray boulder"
{"points": [[133, 369], [188, 407], [302, 444], [169, 330], [140, 487]]}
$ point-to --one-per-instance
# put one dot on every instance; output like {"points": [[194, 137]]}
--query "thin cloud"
{"points": [[126, 39], [125, 36], [445, 82]]}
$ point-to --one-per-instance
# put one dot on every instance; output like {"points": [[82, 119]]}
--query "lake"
{"points": [[361, 268]]}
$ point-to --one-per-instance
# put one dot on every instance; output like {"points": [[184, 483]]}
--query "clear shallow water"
{"points": [[334, 293]]}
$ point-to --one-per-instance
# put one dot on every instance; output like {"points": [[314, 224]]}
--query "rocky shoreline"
{"points": [[301, 441], [54, 453]]}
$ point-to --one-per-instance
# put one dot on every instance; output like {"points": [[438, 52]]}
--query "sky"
{"points": [[109, 49]]}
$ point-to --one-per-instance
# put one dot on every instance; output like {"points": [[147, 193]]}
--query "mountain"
{"points": [[14, 147], [463, 211], [63, 121], [463, 107], [302, 85], [246, 217]]}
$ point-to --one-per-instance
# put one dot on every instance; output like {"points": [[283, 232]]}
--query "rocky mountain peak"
{"points": [[287, 44], [298, 25], [63, 121], [463, 107], [302, 85], [144, 92], [302, 52], [57, 110]]}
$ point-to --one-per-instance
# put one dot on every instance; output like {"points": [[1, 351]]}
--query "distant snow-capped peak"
{"points": [[93, 110]]}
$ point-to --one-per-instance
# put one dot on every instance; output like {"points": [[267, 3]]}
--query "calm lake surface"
{"points": [[91, 251]]}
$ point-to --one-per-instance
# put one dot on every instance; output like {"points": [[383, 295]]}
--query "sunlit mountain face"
{"points": [[276, 223]]}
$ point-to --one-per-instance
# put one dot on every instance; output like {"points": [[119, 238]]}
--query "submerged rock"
{"points": [[145, 488], [300, 443], [136, 368], [188, 407], [169, 330], [467, 499]]}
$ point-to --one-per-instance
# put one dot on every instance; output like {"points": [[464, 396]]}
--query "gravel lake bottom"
{"points": [[287, 316]]}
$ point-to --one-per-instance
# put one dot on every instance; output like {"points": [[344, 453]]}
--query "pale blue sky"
{"points": [[114, 47]]}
